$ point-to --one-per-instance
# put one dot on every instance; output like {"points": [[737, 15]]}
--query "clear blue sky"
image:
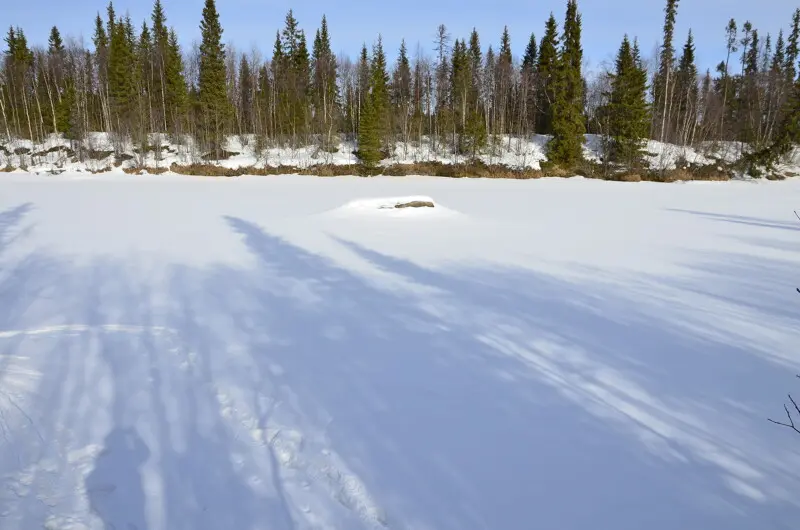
{"points": [[254, 22]]}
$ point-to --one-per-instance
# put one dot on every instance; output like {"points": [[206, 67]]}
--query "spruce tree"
{"points": [[293, 62], [213, 97], [627, 109], [779, 57], [379, 92], [369, 144], [363, 80], [112, 18], [505, 83], [279, 69], [263, 99], [766, 57], [122, 75], [750, 97], [663, 87], [546, 77], [144, 52], [528, 79], [64, 110], [55, 45], [159, 68], [476, 136], [302, 76], [177, 95], [401, 91], [793, 48], [531, 54], [566, 147], [323, 84], [687, 93], [100, 38], [246, 93], [459, 90]]}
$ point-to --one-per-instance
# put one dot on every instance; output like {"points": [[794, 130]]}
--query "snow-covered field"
{"points": [[286, 353]]}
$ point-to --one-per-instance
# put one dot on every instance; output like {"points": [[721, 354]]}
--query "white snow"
{"points": [[388, 206], [200, 353], [54, 155]]}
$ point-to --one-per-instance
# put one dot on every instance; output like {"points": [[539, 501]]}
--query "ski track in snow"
{"points": [[259, 354]]}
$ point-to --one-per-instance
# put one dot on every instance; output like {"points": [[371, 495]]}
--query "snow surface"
{"points": [[53, 155], [387, 206], [195, 353]]}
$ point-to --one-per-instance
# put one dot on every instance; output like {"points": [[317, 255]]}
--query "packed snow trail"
{"points": [[181, 353]]}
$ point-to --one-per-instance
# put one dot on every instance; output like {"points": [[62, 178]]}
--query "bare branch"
{"points": [[791, 424], [795, 404]]}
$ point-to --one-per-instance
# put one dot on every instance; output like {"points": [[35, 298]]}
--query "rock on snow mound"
{"points": [[411, 206]]}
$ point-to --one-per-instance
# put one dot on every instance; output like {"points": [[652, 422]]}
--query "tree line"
{"points": [[465, 98]]}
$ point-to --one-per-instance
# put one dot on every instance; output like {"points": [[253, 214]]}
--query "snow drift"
{"points": [[98, 153], [408, 206]]}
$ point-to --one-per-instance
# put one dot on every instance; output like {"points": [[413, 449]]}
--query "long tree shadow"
{"points": [[742, 219], [299, 393], [109, 412], [425, 391]]}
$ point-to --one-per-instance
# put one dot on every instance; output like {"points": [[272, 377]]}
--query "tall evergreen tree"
{"points": [[177, 94], [686, 94], [294, 87], [379, 92], [793, 47], [369, 144], [112, 18], [401, 92], [54, 43], [363, 79], [779, 57], [122, 89], [546, 72], [627, 109], [566, 148], [531, 54], [246, 96], [528, 84], [324, 88], [475, 132], [459, 90], [504, 84], [160, 67], [213, 96], [144, 79], [663, 87]]}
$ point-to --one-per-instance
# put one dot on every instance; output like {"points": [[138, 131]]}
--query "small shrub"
{"points": [[628, 177], [331, 170], [151, 170], [206, 170], [54, 149], [223, 155], [554, 170], [91, 154], [775, 176], [712, 172]]}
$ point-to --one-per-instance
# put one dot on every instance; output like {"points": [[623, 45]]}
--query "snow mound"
{"points": [[407, 206]]}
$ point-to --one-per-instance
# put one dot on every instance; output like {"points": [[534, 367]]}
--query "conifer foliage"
{"points": [[213, 97], [566, 148], [463, 97], [627, 109]]}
